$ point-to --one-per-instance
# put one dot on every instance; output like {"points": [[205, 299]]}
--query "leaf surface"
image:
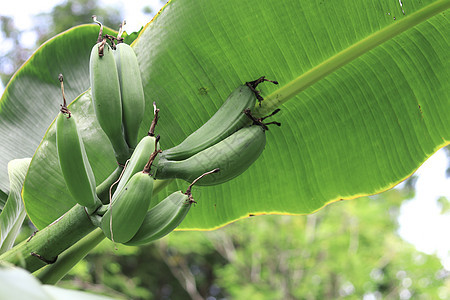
{"points": [[374, 109], [13, 214], [363, 93], [32, 98]]}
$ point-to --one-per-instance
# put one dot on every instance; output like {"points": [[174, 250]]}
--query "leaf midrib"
{"points": [[349, 54]]}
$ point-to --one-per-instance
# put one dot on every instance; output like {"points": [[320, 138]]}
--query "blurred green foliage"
{"points": [[444, 204], [349, 249]]}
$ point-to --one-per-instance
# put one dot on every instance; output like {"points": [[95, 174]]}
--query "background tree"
{"points": [[46, 25], [348, 249]]}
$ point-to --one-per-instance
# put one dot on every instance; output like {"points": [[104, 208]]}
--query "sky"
{"points": [[420, 220], [132, 10]]}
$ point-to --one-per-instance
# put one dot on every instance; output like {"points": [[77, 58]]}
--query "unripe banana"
{"points": [[106, 99], [233, 156], [75, 167], [138, 160], [227, 120], [166, 215], [132, 92], [127, 212], [140, 156], [162, 219]]}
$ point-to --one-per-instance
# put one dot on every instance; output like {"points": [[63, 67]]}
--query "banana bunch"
{"points": [[224, 122], [231, 140], [232, 156], [166, 215], [75, 167], [117, 93], [228, 119], [132, 224]]}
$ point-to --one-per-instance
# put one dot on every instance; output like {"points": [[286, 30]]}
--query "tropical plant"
{"points": [[362, 93]]}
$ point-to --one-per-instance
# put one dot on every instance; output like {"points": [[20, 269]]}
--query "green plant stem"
{"points": [[342, 58], [51, 241], [58, 237], [69, 258]]}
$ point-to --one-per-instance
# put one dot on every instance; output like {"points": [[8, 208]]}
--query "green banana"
{"points": [[233, 155], [105, 89], [162, 219], [75, 167], [139, 158], [132, 92], [127, 212], [165, 216], [227, 120]]}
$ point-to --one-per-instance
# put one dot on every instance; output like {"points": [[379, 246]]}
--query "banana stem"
{"points": [[61, 79], [152, 157], [188, 191], [53, 273], [64, 108], [44, 247], [100, 33], [67, 235], [151, 131], [122, 25]]}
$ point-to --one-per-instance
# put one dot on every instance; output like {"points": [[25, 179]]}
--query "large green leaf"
{"points": [[31, 99], [367, 89], [12, 216], [360, 130]]}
